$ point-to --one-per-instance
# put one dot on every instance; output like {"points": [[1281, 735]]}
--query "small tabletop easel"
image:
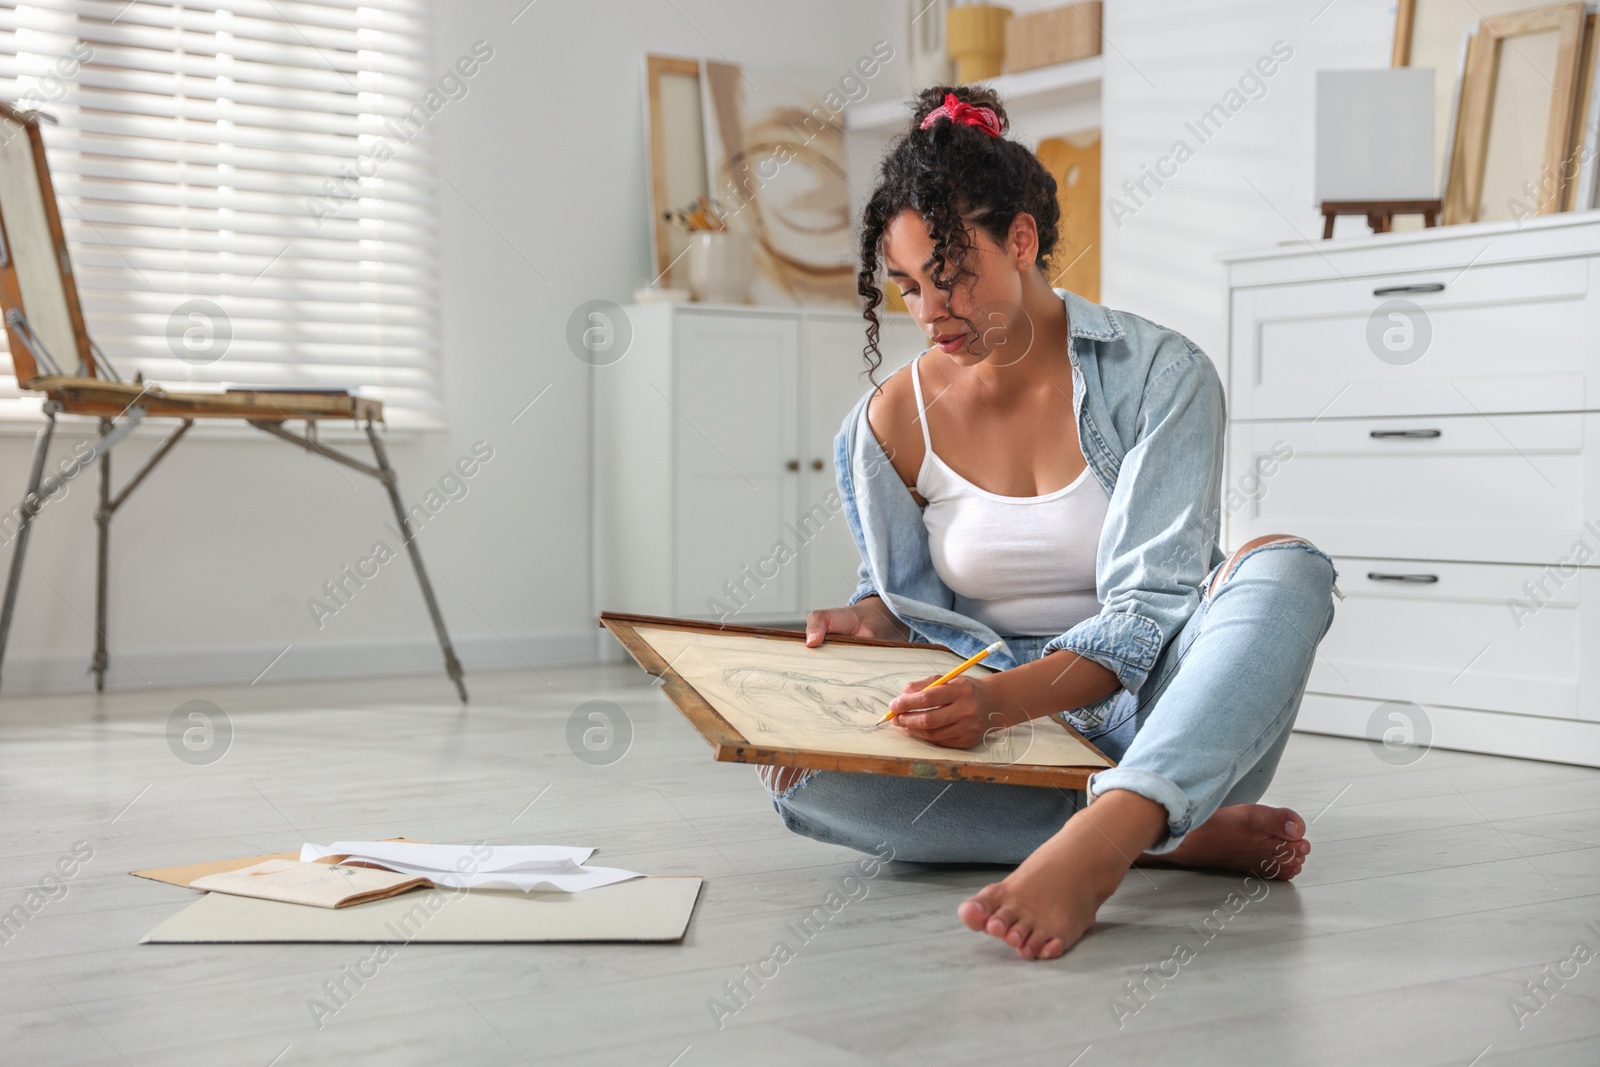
{"points": [[1380, 213]]}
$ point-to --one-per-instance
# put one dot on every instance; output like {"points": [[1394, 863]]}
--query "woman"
{"points": [[1050, 472]]}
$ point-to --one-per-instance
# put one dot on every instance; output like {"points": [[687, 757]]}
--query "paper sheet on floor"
{"points": [[530, 868]]}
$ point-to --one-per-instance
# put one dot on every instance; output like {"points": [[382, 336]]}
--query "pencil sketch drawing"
{"points": [[829, 704]]}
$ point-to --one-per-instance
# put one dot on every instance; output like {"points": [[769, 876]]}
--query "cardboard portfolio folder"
{"points": [[643, 909], [654, 908]]}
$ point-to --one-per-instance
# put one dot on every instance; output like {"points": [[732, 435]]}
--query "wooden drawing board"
{"points": [[759, 695]]}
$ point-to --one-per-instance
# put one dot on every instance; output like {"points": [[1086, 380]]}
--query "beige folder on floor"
{"points": [[641, 909]]}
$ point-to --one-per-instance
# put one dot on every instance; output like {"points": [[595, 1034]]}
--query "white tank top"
{"points": [[1021, 565]]}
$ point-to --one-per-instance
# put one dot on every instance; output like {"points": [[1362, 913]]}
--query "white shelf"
{"points": [[1078, 80]]}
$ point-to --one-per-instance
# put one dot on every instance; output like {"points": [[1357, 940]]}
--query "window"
{"points": [[247, 188]]}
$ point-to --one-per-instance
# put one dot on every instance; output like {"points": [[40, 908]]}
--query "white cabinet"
{"points": [[735, 438], [832, 384], [1425, 407], [714, 489]]}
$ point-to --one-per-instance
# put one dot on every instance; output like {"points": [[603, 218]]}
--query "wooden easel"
{"points": [[44, 325], [1380, 213]]}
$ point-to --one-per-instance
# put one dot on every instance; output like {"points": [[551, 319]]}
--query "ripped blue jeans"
{"points": [[1205, 730]]}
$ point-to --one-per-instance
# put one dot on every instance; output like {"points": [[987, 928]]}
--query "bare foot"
{"points": [[1049, 902], [1043, 907], [1250, 838]]}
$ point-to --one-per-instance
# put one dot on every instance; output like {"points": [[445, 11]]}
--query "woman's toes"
{"points": [[977, 909], [1052, 949], [1275, 822], [1001, 916], [1018, 934], [1287, 869], [1034, 949], [1284, 823]]}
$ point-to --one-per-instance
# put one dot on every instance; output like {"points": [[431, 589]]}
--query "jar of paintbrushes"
{"points": [[721, 259]]}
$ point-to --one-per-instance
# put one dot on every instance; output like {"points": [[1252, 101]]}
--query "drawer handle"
{"points": [[1379, 576], [1405, 433], [1419, 287]]}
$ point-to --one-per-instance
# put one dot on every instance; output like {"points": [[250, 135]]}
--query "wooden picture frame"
{"points": [[1579, 194], [1469, 155], [676, 135], [729, 746], [1412, 16], [1405, 22], [1433, 34]]}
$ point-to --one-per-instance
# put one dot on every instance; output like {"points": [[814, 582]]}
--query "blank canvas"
{"points": [[1375, 134], [1513, 159], [1436, 44]]}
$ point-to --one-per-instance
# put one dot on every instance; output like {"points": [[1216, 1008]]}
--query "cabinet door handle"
{"points": [[1419, 287], [1405, 433], [1379, 576], [816, 464], [793, 464]]}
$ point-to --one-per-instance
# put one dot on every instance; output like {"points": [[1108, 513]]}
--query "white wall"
{"points": [[1249, 184], [542, 208]]}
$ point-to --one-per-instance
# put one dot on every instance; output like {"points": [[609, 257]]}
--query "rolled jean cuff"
{"points": [[1154, 787]]}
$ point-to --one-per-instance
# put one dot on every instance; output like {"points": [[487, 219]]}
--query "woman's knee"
{"points": [[1305, 572], [1249, 548]]}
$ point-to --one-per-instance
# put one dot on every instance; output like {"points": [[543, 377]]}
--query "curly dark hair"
{"points": [[950, 174]]}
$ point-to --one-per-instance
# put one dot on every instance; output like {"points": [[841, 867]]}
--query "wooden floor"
{"points": [[1434, 892]]}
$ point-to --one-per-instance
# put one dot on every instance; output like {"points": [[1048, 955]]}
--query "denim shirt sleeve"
{"points": [[1161, 526], [845, 449], [864, 584]]}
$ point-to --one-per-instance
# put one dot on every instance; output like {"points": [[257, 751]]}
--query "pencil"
{"points": [[945, 677]]}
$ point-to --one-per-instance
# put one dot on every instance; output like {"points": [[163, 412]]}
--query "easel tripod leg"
{"points": [[26, 512], [102, 522], [452, 666]]}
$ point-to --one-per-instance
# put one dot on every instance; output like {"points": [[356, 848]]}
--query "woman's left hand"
{"points": [[957, 714]]}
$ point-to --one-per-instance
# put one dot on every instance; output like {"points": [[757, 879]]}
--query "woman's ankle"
{"points": [[1128, 822]]}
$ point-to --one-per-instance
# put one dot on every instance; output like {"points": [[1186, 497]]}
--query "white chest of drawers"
{"points": [[1425, 407]]}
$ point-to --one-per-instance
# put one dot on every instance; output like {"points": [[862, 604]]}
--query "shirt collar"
{"points": [[1087, 319]]}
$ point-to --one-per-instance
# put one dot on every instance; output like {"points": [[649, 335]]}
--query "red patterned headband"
{"points": [[964, 114]]}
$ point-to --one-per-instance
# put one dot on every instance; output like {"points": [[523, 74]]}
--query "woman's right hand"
{"points": [[868, 617]]}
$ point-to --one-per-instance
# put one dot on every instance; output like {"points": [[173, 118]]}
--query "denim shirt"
{"points": [[1151, 411]]}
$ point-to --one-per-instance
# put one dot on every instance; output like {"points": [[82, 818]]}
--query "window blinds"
{"points": [[247, 187]]}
